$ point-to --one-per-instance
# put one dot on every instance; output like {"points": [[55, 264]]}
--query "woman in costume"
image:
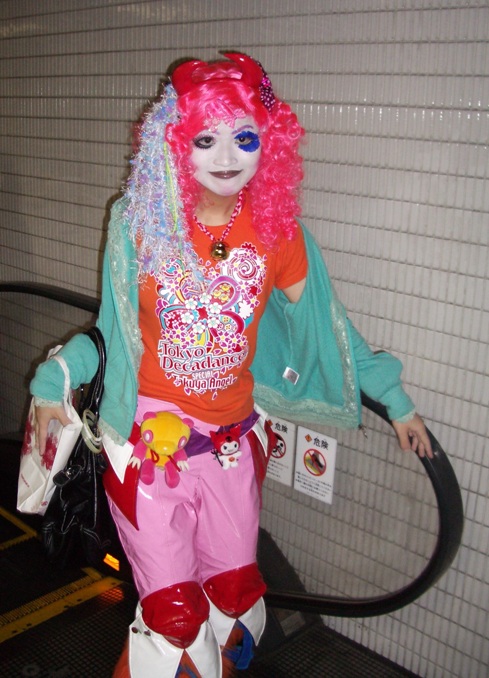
{"points": [[205, 233]]}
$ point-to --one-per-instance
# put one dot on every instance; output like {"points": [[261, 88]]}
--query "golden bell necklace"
{"points": [[219, 249]]}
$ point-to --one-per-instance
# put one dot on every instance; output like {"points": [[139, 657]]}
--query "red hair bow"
{"points": [[191, 73]]}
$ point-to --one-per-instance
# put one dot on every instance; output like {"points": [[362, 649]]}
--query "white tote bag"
{"points": [[36, 473]]}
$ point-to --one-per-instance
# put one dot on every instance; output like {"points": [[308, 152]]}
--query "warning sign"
{"points": [[315, 464]]}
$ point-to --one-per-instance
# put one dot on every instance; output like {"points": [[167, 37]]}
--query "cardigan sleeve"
{"points": [[81, 357], [379, 377]]}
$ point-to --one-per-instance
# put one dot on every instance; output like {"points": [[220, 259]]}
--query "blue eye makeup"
{"points": [[248, 141]]}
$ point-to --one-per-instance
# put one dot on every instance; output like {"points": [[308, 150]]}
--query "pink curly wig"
{"points": [[221, 94]]}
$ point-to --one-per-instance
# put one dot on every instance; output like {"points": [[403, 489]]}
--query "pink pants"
{"points": [[205, 526]]}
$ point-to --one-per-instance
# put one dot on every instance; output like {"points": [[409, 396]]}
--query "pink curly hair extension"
{"points": [[275, 189]]}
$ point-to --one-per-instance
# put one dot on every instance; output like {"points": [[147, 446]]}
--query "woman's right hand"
{"points": [[43, 416]]}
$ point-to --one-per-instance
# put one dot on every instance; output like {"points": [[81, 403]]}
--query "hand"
{"points": [[43, 415], [412, 435]]}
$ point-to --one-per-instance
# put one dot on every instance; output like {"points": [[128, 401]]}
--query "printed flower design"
{"points": [[203, 331], [205, 298], [212, 317], [28, 436], [245, 309], [214, 308], [248, 270], [47, 458], [175, 282], [198, 328]]}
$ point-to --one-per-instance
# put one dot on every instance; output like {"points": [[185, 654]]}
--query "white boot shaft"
{"points": [[152, 656], [254, 619]]}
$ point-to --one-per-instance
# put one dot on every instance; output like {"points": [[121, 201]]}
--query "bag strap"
{"points": [[89, 407], [96, 389]]}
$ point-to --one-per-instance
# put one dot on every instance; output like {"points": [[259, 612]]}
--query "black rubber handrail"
{"points": [[438, 469], [450, 528], [77, 299]]}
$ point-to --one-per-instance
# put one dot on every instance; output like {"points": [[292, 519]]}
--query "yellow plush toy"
{"points": [[164, 436]]}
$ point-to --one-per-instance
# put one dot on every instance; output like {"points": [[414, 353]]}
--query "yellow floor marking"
{"points": [[28, 531], [16, 540], [54, 603]]}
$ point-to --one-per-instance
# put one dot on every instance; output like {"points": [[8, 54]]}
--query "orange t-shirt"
{"points": [[200, 343]]}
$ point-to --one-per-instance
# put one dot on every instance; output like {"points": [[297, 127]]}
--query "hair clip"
{"points": [[255, 76]]}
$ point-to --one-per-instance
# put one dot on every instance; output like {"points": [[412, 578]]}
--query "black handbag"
{"points": [[77, 526]]}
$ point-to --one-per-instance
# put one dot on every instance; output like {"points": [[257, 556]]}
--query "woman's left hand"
{"points": [[412, 436]]}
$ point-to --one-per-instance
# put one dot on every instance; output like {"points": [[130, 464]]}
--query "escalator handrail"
{"points": [[69, 297], [438, 469], [451, 519]]}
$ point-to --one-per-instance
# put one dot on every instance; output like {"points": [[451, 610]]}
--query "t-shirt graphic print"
{"points": [[203, 339]]}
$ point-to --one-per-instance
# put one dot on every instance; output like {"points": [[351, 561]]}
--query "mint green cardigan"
{"points": [[313, 337], [330, 360]]}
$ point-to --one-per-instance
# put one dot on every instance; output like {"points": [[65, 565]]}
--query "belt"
{"points": [[198, 443]]}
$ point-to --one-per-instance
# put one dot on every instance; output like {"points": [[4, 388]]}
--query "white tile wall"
{"points": [[394, 96]]}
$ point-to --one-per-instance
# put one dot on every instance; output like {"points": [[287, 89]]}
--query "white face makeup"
{"points": [[226, 158]]}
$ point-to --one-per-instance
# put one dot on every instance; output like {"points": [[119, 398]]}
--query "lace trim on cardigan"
{"points": [[42, 402], [340, 328], [108, 430], [407, 417], [307, 411], [123, 278]]}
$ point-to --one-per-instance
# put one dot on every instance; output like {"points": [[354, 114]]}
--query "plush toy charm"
{"points": [[163, 438], [227, 446]]}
